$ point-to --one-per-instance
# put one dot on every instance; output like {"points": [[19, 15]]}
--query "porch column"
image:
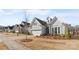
{"points": [[49, 29]]}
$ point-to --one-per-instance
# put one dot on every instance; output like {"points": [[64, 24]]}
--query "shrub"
{"points": [[67, 34]]}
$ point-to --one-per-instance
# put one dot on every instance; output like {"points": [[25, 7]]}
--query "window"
{"points": [[58, 30], [55, 30]]}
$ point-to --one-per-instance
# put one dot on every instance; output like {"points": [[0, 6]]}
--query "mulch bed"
{"points": [[26, 40], [57, 37]]}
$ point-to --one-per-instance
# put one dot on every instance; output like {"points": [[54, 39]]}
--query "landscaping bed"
{"points": [[46, 44], [58, 37]]}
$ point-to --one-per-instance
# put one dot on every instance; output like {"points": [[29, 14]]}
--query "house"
{"points": [[38, 27], [1, 28], [76, 30], [22, 28], [17, 28], [57, 27], [25, 27], [8, 28], [5, 29]]}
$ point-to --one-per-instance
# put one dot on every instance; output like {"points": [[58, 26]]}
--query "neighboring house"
{"points": [[5, 29], [25, 27], [56, 27], [1, 28], [8, 28], [17, 28], [22, 28], [38, 27], [76, 30]]}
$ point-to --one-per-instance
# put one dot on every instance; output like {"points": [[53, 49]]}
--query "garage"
{"points": [[37, 33]]}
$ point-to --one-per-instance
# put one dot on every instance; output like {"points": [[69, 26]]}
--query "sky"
{"points": [[15, 16]]}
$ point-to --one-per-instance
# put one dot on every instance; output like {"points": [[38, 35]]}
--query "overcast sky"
{"points": [[15, 16]]}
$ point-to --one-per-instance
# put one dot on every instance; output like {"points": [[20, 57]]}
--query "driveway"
{"points": [[12, 44]]}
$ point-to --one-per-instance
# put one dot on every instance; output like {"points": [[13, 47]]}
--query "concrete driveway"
{"points": [[12, 44]]}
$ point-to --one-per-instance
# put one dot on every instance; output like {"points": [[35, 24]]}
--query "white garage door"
{"points": [[36, 33]]}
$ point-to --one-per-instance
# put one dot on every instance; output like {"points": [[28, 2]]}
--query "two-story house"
{"points": [[38, 27]]}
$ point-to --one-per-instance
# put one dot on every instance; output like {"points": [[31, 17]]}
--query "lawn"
{"points": [[3, 46], [47, 43]]}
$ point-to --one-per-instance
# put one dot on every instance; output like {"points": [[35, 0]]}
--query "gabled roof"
{"points": [[10, 27], [65, 24], [53, 20], [21, 25], [6, 27], [40, 21], [68, 26], [77, 26], [16, 25], [25, 23]]}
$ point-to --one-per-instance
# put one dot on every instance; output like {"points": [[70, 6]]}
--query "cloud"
{"points": [[51, 13], [37, 12], [10, 11], [42, 14], [1, 11], [45, 13], [67, 14]]}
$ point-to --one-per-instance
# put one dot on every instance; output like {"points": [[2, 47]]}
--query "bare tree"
{"points": [[26, 24]]}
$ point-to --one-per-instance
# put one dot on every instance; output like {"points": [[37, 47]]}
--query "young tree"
{"points": [[26, 24]]}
